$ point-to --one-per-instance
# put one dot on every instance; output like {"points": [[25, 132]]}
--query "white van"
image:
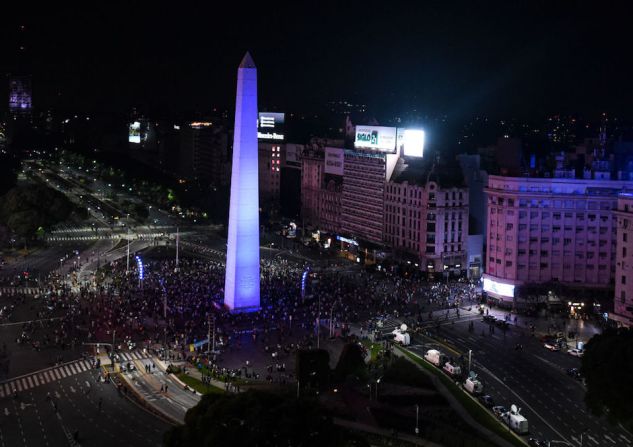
{"points": [[517, 422], [473, 386], [452, 370], [435, 357]]}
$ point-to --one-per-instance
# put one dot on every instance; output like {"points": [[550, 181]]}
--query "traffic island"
{"points": [[468, 408]]}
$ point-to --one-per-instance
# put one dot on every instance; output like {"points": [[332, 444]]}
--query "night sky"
{"points": [[493, 58]]}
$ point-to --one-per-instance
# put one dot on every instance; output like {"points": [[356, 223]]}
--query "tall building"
{"points": [[623, 302], [204, 152], [242, 280], [20, 96], [362, 204], [322, 188], [550, 232], [271, 156], [426, 219]]}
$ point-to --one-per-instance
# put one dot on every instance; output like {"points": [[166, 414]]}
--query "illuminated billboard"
{"points": [[498, 288], [334, 160], [134, 134], [270, 126], [410, 142], [378, 138]]}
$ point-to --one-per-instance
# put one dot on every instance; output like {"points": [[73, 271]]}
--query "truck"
{"points": [[516, 421], [473, 386], [400, 335], [451, 369], [435, 357]]}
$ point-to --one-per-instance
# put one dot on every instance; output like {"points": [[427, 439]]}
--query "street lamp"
{"points": [[417, 417]]}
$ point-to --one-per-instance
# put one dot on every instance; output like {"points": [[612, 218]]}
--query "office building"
{"points": [[550, 232], [623, 302], [426, 220]]}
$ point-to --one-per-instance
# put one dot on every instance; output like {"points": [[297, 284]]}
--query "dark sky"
{"points": [[461, 58]]}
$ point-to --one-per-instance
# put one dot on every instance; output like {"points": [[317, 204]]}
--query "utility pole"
{"points": [[318, 324], [214, 334], [208, 334], [162, 283], [470, 355], [177, 246], [127, 265], [417, 418]]}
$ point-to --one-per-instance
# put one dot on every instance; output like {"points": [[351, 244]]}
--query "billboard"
{"points": [[410, 142], [134, 134], [498, 288], [334, 160], [270, 126], [379, 138]]}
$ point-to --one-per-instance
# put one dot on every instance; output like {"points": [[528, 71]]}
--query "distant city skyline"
{"points": [[461, 61]]}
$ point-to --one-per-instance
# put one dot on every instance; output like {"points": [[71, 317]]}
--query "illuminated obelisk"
{"points": [[241, 285]]}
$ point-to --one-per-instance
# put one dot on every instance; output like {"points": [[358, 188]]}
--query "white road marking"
{"points": [[609, 438]]}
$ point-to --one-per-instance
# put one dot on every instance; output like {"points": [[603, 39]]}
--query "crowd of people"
{"points": [[181, 305]]}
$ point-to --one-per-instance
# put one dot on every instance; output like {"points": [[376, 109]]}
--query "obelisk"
{"points": [[241, 284]]}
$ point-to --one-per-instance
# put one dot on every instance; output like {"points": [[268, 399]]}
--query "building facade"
{"points": [[321, 193], [550, 230], [270, 160], [362, 204], [204, 152], [429, 223], [623, 302]]}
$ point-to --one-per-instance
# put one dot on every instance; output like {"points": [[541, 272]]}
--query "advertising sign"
{"points": [[498, 288], [134, 134], [410, 142], [334, 160], [270, 126], [379, 138]]}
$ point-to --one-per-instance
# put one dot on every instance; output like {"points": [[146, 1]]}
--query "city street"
{"points": [[532, 378], [60, 404]]}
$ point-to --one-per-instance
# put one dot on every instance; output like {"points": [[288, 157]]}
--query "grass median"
{"points": [[478, 413], [197, 385]]}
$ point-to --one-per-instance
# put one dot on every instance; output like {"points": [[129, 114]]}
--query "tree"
{"points": [[351, 363], [608, 368], [313, 368], [258, 418]]}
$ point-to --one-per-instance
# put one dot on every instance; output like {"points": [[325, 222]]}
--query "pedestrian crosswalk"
{"points": [[56, 373], [40, 378], [10, 291], [131, 356]]}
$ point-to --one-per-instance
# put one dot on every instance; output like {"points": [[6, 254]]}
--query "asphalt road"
{"points": [[534, 379], [32, 421]]}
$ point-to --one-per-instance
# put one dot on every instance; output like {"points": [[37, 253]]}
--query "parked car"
{"points": [[499, 410], [551, 346], [489, 319], [576, 352], [487, 401]]}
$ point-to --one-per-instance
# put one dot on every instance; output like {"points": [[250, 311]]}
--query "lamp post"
{"points": [[127, 263], [417, 417], [470, 355], [162, 283], [177, 246]]}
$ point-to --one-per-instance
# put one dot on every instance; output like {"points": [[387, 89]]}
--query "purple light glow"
{"points": [[241, 287]]}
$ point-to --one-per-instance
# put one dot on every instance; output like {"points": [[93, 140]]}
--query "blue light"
{"points": [[241, 286], [304, 280], [139, 264]]}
